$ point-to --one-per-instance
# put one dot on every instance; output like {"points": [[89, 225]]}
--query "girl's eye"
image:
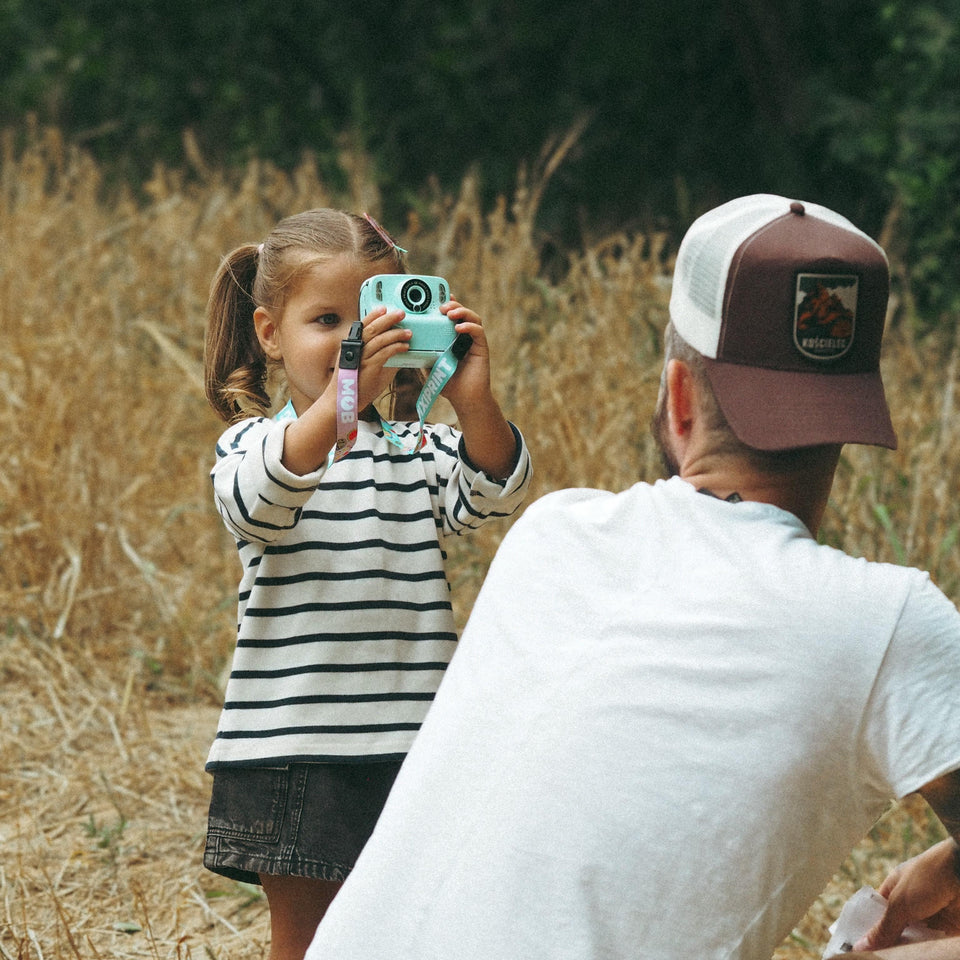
{"points": [[328, 319]]}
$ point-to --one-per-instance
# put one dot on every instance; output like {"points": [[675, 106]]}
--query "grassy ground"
{"points": [[117, 582]]}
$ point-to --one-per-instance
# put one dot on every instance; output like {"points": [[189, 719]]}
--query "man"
{"points": [[673, 712]]}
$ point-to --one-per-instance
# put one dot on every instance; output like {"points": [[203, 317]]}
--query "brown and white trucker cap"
{"points": [[787, 302]]}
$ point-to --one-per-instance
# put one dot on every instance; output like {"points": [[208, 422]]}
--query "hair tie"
{"points": [[387, 239], [259, 250]]}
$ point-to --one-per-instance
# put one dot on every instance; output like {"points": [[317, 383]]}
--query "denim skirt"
{"points": [[302, 820]]}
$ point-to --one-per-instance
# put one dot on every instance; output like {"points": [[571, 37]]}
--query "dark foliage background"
{"points": [[684, 103]]}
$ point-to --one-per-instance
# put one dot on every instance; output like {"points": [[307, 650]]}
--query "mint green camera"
{"points": [[420, 297]]}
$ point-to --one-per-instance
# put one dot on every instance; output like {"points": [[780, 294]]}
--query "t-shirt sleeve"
{"points": [[913, 719]]}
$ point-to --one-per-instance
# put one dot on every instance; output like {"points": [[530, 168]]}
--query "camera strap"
{"points": [[444, 367], [351, 350]]}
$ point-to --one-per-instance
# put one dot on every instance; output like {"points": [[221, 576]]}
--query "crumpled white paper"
{"points": [[859, 914]]}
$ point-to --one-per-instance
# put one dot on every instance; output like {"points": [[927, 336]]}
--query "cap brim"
{"points": [[783, 410]]}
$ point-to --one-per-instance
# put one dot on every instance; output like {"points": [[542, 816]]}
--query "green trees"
{"points": [[854, 103]]}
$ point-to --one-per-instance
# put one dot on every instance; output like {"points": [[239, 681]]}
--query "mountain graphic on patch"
{"points": [[825, 315]]}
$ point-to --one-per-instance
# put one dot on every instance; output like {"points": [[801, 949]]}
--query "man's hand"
{"points": [[927, 887], [948, 949]]}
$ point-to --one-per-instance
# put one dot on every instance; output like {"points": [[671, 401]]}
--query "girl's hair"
{"points": [[236, 370]]}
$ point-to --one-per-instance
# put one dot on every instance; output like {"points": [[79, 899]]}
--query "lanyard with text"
{"points": [[350, 352], [351, 349], [442, 370]]}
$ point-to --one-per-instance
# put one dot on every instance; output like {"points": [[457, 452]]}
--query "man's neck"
{"points": [[803, 491]]}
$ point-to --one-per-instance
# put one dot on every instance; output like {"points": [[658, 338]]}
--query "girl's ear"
{"points": [[268, 333]]}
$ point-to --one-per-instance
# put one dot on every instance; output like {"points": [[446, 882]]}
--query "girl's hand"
{"points": [[471, 382], [382, 339], [308, 440], [490, 442]]}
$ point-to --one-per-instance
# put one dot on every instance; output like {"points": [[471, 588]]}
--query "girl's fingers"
{"points": [[380, 331], [459, 313], [380, 319], [391, 341]]}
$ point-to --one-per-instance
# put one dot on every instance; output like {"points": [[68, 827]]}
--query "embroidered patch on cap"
{"points": [[825, 313]]}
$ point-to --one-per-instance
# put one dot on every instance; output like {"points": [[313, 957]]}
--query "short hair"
{"points": [[724, 442]]}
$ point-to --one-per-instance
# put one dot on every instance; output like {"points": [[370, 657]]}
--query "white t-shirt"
{"points": [[669, 720]]}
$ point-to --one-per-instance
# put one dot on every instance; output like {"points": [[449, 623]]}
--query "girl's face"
{"points": [[306, 335]]}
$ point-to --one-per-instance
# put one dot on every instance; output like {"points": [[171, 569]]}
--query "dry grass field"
{"points": [[117, 582]]}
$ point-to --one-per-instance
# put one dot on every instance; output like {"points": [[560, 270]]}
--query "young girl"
{"points": [[345, 623]]}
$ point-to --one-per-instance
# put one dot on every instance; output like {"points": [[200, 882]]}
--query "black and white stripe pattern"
{"points": [[345, 623]]}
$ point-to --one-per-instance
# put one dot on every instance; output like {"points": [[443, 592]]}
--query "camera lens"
{"points": [[415, 295]]}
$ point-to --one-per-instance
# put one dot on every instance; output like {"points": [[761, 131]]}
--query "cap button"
{"points": [[797, 208]]}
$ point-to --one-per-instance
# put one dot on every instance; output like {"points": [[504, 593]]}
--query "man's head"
{"points": [[785, 303], [719, 440]]}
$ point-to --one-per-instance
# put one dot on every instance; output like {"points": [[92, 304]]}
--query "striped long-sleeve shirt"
{"points": [[344, 619]]}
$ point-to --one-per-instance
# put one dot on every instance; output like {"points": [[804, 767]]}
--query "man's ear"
{"points": [[268, 333], [681, 399]]}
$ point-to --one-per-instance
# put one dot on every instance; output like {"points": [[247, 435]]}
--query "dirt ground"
{"points": [[102, 812]]}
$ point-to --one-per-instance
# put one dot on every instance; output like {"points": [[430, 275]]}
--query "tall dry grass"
{"points": [[117, 582]]}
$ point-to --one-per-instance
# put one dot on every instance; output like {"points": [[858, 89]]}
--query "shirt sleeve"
{"points": [[467, 497], [258, 498], [913, 722]]}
